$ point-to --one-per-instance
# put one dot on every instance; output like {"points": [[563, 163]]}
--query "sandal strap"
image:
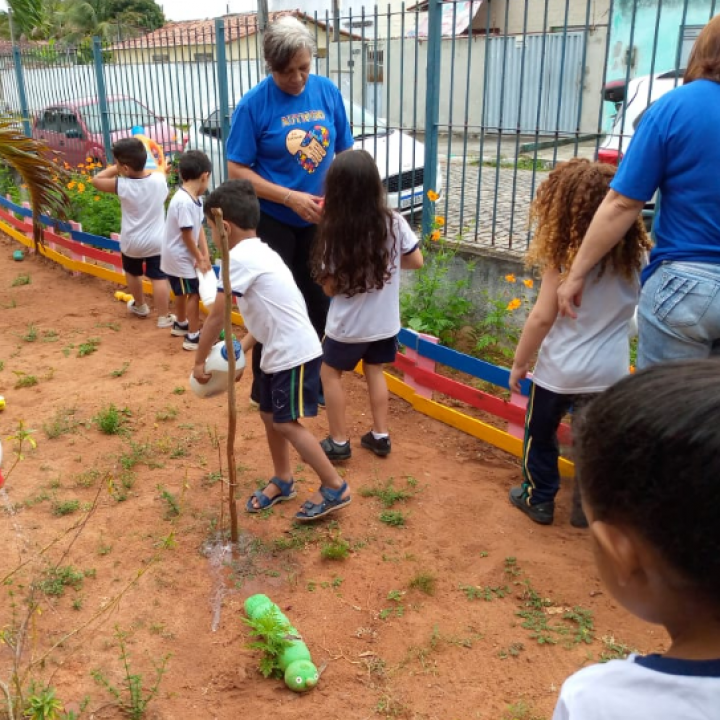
{"points": [[284, 486], [331, 495], [263, 500]]}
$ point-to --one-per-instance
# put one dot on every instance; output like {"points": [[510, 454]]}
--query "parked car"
{"points": [[74, 130], [631, 100], [399, 157]]}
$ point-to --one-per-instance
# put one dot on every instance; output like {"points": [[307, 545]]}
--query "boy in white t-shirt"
{"points": [[185, 250], [276, 316], [142, 196], [648, 460]]}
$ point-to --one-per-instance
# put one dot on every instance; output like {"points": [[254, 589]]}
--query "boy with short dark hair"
{"points": [[648, 459], [276, 316], [185, 250], [142, 200]]}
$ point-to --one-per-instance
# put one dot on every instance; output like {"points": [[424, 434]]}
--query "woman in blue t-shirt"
{"points": [[284, 135], [676, 149]]}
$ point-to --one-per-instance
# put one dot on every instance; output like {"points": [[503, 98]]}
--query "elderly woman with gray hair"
{"points": [[284, 135]]}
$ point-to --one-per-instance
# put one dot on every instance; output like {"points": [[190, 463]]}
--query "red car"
{"points": [[74, 130]]}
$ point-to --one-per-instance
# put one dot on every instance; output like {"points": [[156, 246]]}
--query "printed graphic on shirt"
{"points": [[297, 118], [308, 147]]}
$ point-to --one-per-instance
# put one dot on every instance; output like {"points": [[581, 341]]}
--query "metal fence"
{"points": [[476, 100]]}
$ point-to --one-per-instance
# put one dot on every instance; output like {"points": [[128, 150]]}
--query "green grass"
{"points": [[487, 593], [172, 506], [424, 582], [168, 413], [65, 507], [109, 420], [179, 390], [394, 518], [62, 423], [387, 494], [21, 280], [31, 334], [119, 372], [335, 549], [88, 347], [25, 381], [56, 579]]}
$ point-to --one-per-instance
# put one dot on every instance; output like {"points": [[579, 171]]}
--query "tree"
{"points": [[35, 19], [148, 13], [108, 19]]}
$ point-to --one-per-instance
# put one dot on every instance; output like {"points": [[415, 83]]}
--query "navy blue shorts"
{"points": [[149, 267], [345, 356], [291, 394], [184, 286]]}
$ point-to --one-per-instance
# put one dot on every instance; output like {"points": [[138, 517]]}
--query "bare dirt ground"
{"points": [[420, 620]]}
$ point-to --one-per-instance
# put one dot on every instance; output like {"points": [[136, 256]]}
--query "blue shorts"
{"points": [[147, 266], [345, 356], [184, 286], [291, 394]]}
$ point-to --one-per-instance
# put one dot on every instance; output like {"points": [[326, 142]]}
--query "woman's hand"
{"points": [[306, 206], [518, 373], [569, 295]]}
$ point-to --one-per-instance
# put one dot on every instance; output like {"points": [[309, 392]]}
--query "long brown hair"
{"points": [[704, 61], [561, 212], [351, 245]]}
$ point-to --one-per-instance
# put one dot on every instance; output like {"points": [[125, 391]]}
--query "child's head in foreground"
{"points": [[239, 205], [562, 210], [648, 460], [130, 155]]}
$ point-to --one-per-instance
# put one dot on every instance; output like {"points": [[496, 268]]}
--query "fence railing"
{"points": [[422, 385], [477, 99]]}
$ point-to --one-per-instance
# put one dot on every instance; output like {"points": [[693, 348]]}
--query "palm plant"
{"points": [[41, 176]]}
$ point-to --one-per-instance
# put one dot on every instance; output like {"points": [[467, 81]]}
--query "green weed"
{"points": [[387, 494], [424, 582], [172, 508], [88, 347], [335, 549], [21, 280], [614, 650], [513, 650], [50, 336], [56, 579], [179, 390], [119, 372], [62, 423], [31, 334], [486, 593], [394, 518], [65, 507], [169, 413], [110, 420], [25, 381]]}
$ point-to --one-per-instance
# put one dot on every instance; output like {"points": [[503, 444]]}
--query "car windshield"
{"points": [[123, 114], [362, 121]]}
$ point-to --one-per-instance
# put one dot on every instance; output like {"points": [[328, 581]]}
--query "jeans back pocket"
{"points": [[681, 299]]}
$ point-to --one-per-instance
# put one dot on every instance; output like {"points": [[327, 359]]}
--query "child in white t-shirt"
{"points": [[360, 247], [185, 250], [577, 358], [275, 315], [648, 458], [142, 196]]}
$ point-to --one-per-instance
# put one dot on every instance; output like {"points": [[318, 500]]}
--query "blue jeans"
{"points": [[679, 313]]}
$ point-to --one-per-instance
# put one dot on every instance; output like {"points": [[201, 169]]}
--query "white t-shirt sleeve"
{"points": [[407, 240], [186, 216], [242, 275]]}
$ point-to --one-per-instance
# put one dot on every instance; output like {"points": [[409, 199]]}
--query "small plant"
{"points": [[271, 633], [511, 567], [31, 334], [63, 422], [43, 705], [172, 508], [131, 697], [50, 336], [387, 494], [614, 650], [77, 603], [513, 650], [179, 390], [119, 372], [25, 381], [169, 413], [424, 582], [109, 420], [395, 518], [335, 549], [21, 280], [56, 579], [520, 711], [487, 593], [66, 507], [88, 347]]}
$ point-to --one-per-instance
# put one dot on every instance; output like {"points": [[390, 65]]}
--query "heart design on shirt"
{"points": [[308, 147]]}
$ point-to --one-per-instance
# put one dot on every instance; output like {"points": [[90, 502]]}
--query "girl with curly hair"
{"points": [[360, 247], [577, 357]]}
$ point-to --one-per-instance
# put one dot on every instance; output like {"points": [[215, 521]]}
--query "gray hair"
{"points": [[283, 39]]}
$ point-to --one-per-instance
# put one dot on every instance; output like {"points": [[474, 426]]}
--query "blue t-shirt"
{"points": [[290, 140], [676, 149]]}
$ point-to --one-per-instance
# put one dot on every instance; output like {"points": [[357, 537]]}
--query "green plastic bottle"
{"points": [[301, 674]]}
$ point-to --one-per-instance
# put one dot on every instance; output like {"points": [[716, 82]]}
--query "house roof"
{"points": [[193, 32], [6, 46]]}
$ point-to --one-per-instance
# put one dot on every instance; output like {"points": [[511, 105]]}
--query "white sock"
{"points": [[193, 336], [339, 442], [182, 324], [380, 436]]}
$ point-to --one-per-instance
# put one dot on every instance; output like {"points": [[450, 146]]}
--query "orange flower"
{"points": [[96, 198], [71, 185], [514, 304], [528, 283], [81, 188], [433, 196], [435, 235], [631, 369], [510, 278], [439, 220], [55, 159], [66, 166], [88, 160], [81, 166]]}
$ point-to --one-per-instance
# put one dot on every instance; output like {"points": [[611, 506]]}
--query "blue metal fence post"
{"points": [[222, 89], [102, 98], [432, 109], [22, 95]]}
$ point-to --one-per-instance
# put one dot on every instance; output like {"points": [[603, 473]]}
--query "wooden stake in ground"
{"points": [[230, 349]]}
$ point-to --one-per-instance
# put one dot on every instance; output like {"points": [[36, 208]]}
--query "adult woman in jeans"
{"points": [[284, 135], [675, 149]]}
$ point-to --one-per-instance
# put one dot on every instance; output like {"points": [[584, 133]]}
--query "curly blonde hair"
{"points": [[560, 215]]}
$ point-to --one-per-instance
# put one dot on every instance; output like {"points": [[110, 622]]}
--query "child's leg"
{"points": [[334, 402], [193, 313], [181, 311], [135, 288], [161, 296], [378, 392], [540, 449]]}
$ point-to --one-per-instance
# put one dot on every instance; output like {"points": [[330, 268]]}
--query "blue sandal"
{"points": [[287, 492], [332, 501]]}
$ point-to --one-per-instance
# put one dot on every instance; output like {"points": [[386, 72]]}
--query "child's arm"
{"points": [[202, 242], [208, 337], [201, 262], [537, 326], [413, 260], [328, 285], [106, 180]]}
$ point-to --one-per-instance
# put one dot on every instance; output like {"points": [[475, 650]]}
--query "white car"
{"points": [[399, 157], [631, 100]]}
